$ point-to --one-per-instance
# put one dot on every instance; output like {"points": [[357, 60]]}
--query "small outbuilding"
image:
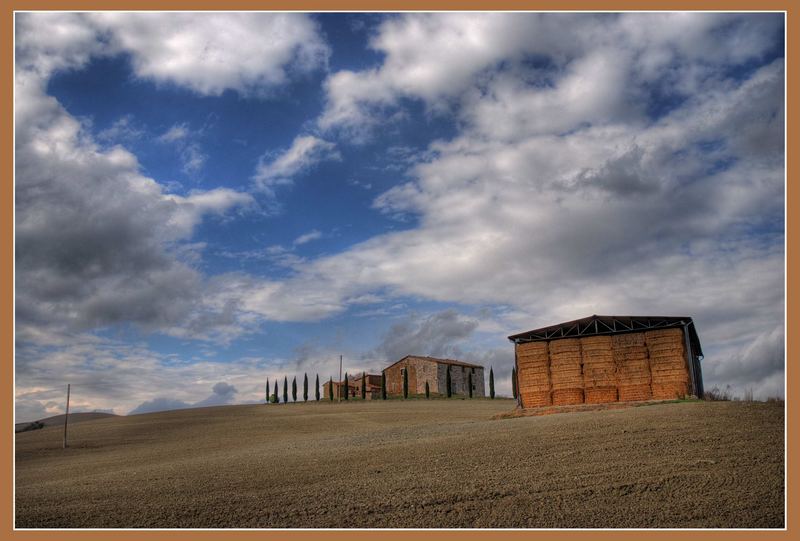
{"points": [[608, 359], [373, 387], [434, 371]]}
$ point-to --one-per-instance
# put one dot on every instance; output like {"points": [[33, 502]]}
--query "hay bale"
{"points": [[535, 399], [631, 353], [650, 336], [565, 345], [635, 393], [601, 395], [596, 345], [669, 390], [532, 348], [628, 340], [566, 397]]}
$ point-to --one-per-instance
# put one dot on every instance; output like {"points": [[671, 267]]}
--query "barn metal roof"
{"points": [[599, 325]]}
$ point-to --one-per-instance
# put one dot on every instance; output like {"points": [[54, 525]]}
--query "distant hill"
{"points": [[59, 420]]}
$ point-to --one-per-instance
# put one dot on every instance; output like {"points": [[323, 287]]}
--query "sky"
{"points": [[207, 200]]}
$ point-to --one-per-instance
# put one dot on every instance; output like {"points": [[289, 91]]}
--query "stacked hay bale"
{"points": [[599, 371], [533, 375], [670, 377], [566, 374], [633, 367]]}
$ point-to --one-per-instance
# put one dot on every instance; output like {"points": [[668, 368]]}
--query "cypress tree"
{"points": [[364, 386], [469, 382], [491, 383], [346, 387], [276, 391], [294, 389], [449, 383], [316, 388], [330, 389], [305, 387], [514, 382], [405, 383], [427, 390], [267, 391], [285, 389], [383, 385]]}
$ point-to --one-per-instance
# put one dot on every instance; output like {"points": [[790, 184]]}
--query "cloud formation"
{"points": [[221, 394], [607, 163], [97, 242], [437, 335], [304, 152]]}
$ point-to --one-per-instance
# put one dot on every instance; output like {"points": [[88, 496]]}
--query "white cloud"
{"points": [[251, 53], [185, 140], [177, 132], [121, 131], [305, 152], [307, 237], [438, 57]]}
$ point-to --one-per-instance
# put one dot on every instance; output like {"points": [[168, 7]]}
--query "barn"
{"points": [[601, 359], [434, 371]]}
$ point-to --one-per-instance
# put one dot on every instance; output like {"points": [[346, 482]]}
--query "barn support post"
{"points": [[690, 359], [516, 366]]}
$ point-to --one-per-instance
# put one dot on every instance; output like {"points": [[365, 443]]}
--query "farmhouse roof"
{"points": [[453, 362], [599, 325]]}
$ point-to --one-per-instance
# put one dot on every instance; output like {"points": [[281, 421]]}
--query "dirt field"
{"points": [[416, 464]]}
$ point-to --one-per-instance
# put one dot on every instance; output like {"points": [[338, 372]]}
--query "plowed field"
{"points": [[415, 464]]}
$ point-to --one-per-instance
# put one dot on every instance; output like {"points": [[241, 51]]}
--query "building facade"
{"points": [[434, 371], [608, 359]]}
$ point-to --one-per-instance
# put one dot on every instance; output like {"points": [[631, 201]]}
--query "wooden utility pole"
{"points": [[66, 416], [340, 379]]}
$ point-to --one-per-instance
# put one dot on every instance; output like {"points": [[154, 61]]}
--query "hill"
{"points": [[419, 463], [58, 420]]}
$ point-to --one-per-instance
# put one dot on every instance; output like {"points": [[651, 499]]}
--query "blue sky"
{"points": [[207, 200]]}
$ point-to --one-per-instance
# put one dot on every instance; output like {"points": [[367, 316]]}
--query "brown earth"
{"points": [[414, 464]]}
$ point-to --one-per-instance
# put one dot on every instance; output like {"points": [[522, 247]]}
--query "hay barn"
{"points": [[434, 371], [601, 359]]}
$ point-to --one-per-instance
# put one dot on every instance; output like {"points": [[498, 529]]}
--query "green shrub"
{"points": [[383, 385], [491, 383], [405, 383], [316, 388], [427, 390]]}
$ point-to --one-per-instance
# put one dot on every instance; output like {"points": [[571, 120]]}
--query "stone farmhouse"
{"points": [[434, 372]]}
